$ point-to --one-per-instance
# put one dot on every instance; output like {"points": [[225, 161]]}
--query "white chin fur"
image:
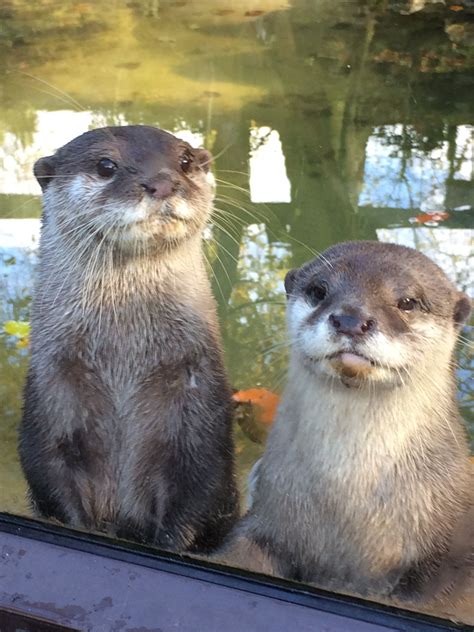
{"points": [[147, 209], [181, 209], [133, 214]]}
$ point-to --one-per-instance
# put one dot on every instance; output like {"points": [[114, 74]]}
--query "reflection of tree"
{"points": [[255, 332], [24, 23]]}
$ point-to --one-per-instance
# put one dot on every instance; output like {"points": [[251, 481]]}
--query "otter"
{"points": [[366, 484], [127, 422]]}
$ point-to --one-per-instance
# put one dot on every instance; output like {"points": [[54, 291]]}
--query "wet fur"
{"points": [[127, 409], [365, 485]]}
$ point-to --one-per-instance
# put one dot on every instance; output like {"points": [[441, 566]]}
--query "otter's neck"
{"points": [[328, 422], [102, 278]]}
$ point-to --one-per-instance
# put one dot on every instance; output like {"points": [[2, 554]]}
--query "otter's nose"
{"points": [[160, 187], [350, 325]]}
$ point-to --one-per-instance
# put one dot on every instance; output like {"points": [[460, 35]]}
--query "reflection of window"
{"points": [[53, 129], [464, 155], [450, 248], [407, 168], [18, 242], [268, 179]]}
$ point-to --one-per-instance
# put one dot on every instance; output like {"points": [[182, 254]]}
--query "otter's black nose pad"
{"points": [[349, 325], [159, 187]]}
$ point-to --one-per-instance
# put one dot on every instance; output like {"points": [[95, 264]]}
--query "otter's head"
{"points": [[136, 187], [369, 313]]}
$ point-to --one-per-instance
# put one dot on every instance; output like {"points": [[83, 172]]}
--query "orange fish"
{"points": [[265, 401]]}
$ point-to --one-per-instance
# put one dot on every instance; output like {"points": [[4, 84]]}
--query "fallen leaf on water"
{"points": [[253, 14], [211, 93], [435, 216], [16, 328], [389, 56]]}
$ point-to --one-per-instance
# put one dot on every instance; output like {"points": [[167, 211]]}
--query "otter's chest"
{"points": [[343, 482]]}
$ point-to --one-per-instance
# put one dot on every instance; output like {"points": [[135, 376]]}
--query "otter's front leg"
{"points": [[179, 491], [242, 551], [60, 453]]}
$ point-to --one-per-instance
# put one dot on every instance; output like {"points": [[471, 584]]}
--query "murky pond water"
{"points": [[329, 121]]}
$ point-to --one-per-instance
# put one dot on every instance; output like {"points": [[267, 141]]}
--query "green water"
{"points": [[365, 108]]}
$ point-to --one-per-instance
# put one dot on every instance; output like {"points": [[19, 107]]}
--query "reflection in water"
{"points": [[52, 130], [366, 109], [268, 181], [401, 173], [18, 243], [451, 249]]}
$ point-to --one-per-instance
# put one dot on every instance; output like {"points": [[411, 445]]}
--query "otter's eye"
{"points": [[106, 168], [316, 293], [185, 162], [407, 304]]}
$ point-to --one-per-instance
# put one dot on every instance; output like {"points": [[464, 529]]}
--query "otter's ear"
{"points": [[204, 159], [290, 281], [44, 169], [462, 309]]}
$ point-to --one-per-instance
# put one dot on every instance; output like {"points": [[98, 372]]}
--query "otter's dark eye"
{"points": [[106, 168], [407, 304], [316, 293], [186, 162]]}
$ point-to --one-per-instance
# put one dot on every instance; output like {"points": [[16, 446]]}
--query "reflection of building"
{"points": [[451, 249], [53, 129], [268, 180], [18, 242], [401, 173]]}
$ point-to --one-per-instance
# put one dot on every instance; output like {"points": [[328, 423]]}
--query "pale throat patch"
{"points": [[182, 209]]}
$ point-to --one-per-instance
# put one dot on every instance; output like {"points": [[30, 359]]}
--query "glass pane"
{"points": [[328, 121]]}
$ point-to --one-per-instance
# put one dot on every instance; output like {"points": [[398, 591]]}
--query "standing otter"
{"points": [[366, 479], [127, 412]]}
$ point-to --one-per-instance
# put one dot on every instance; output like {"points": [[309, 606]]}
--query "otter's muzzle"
{"points": [[160, 187]]}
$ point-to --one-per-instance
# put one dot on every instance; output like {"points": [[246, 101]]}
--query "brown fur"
{"points": [[366, 484], [127, 416]]}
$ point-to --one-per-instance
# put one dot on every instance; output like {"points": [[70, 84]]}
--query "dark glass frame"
{"points": [[335, 612]]}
